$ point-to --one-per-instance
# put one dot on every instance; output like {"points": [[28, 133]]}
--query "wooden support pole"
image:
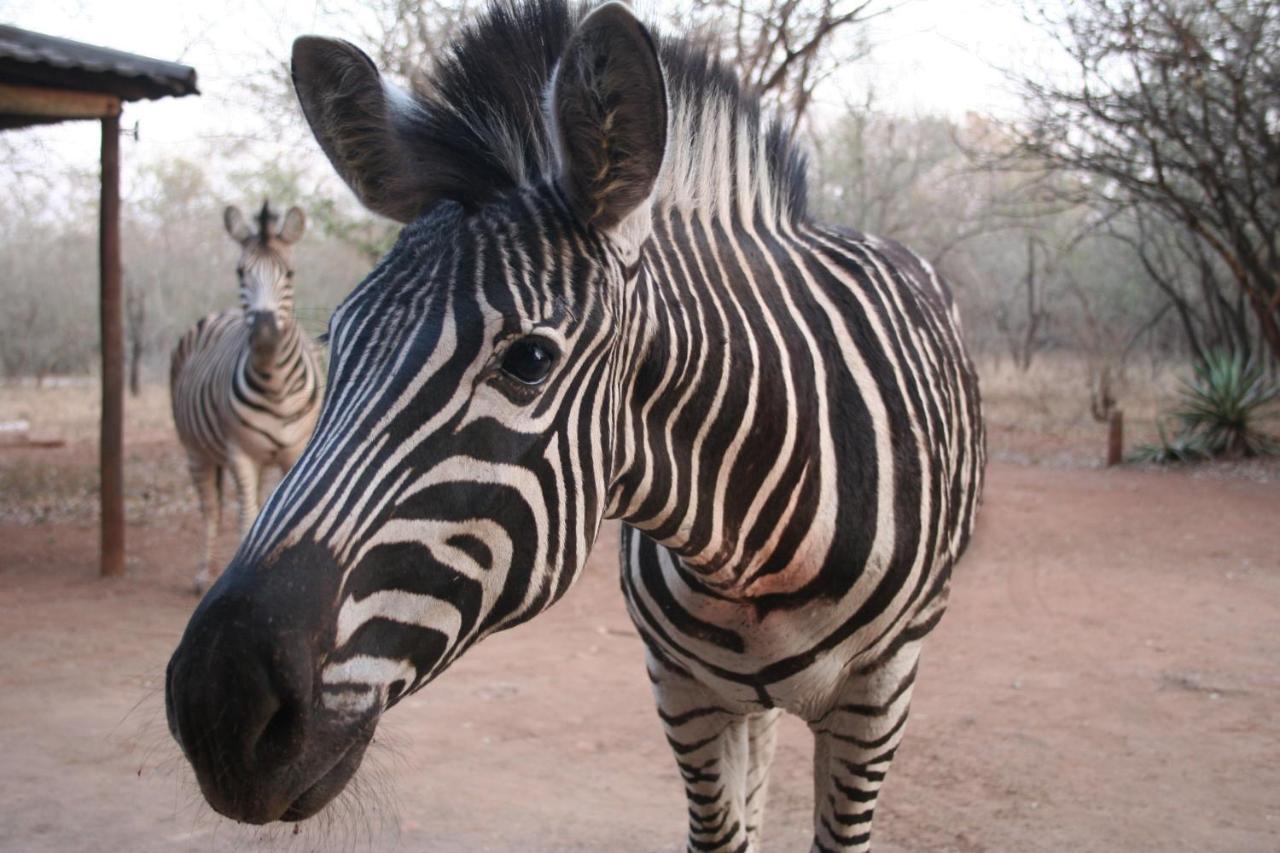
{"points": [[111, 461]]}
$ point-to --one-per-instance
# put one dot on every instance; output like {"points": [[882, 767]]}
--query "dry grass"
{"points": [[39, 484], [1043, 416], [1040, 416], [67, 408]]}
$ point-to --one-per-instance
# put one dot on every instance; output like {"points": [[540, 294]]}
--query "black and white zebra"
{"points": [[245, 383], [608, 302]]}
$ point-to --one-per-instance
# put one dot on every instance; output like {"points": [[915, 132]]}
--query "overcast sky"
{"points": [[939, 56]]}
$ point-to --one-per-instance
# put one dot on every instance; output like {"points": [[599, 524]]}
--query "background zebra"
{"points": [[245, 383], [618, 308]]}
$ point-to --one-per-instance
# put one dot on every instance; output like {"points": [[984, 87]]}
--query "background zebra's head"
{"points": [[468, 448], [265, 269]]}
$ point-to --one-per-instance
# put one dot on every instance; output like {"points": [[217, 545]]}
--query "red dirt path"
{"points": [[1108, 679]]}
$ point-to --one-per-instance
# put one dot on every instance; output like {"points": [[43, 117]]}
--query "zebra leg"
{"points": [[854, 747], [246, 474], [712, 746], [207, 479], [762, 738]]}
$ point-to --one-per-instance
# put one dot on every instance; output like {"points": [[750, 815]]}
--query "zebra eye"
{"points": [[529, 360]]}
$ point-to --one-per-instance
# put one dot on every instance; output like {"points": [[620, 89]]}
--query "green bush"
{"points": [[1176, 447], [1223, 407]]}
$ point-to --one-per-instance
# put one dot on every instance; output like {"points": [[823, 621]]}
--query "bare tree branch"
{"points": [[1176, 111]]}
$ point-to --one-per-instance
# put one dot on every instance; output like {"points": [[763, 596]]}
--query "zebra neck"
{"points": [[717, 443], [275, 371]]}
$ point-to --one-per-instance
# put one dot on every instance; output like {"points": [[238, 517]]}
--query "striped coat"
{"points": [[609, 301]]}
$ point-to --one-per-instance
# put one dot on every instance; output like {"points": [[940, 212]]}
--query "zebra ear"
{"points": [[295, 222], [233, 220], [361, 122], [609, 106]]}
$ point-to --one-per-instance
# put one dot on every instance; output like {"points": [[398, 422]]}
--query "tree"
{"points": [[1212, 314], [404, 37], [1033, 269], [1174, 110], [783, 49], [48, 279], [135, 309], [1026, 341]]}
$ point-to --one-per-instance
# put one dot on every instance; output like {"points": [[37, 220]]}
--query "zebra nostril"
{"points": [[282, 734], [283, 713]]}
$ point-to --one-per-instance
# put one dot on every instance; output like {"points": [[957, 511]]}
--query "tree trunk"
{"points": [[135, 362], [1035, 311], [136, 305]]}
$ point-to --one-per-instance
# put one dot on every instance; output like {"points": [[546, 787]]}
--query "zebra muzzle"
{"points": [[264, 332], [241, 693]]}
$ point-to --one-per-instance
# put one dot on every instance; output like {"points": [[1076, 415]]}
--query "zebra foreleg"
{"points": [[285, 459], [712, 746], [246, 474], [208, 482], [855, 743]]}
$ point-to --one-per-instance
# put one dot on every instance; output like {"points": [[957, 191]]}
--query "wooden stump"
{"points": [[1115, 438]]}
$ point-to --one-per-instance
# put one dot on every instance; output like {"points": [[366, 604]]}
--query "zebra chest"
{"points": [[268, 429], [751, 657]]}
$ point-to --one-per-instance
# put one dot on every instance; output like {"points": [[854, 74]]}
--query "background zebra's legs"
{"points": [[712, 746], [259, 494], [855, 743], [207, 478], [287, 458], [246, 474]]}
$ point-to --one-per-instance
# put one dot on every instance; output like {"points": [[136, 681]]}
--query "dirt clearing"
{"points": [[1108, 679]]}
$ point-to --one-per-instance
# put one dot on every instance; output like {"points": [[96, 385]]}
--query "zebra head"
{"points": [[469, 444], [265, 271]]}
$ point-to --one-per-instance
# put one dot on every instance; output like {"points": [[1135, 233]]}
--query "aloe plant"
{"points": [[1222, 411], [1226, 403], [1173, 447]]}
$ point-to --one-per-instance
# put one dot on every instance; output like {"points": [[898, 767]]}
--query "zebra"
{"points": [[245, 383], [607, 301]]}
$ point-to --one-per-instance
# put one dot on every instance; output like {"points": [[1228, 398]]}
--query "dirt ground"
{"points": [[1108, 679]]}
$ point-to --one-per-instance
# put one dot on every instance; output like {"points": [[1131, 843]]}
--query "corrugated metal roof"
{"points": [[35, 59]]}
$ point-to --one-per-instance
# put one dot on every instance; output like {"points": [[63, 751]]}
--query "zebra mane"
{"points": [[479, 120], [267, 219]]}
